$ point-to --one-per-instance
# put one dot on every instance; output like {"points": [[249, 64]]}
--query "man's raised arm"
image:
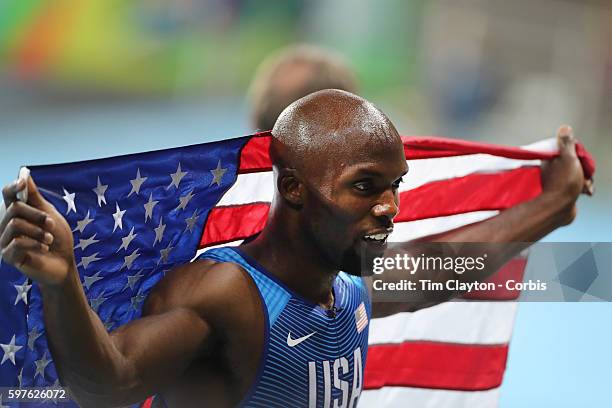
{"points": [[516, 228], [100, 369]]}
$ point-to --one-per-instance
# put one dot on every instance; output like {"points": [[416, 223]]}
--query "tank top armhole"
{"points": [[269, 296]]}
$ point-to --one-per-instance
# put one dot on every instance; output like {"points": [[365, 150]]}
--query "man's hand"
{"points": [[563, 177], [34, 237]]}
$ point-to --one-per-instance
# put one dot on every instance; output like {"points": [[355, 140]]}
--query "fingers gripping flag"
{"points": [[134, 217]]}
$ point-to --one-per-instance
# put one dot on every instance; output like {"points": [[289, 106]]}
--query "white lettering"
{"points": [[377, 266], [537, 285], [348, 396], [389, 263], [469, 286], [326, 384], [341, 384], [312, 385], [357, 378]]}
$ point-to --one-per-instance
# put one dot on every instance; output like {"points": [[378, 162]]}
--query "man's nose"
{"points": [[388, 206]]}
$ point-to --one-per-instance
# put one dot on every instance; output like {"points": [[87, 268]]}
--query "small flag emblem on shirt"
{"points": [[361, 318]]}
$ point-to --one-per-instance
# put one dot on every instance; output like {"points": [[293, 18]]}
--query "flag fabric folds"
{"points": [[134, 217]]}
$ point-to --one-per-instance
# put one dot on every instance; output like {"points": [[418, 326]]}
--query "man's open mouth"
{"points": [[378, 237]]}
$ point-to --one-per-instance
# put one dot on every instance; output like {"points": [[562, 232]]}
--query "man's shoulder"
{"points": [[203, 285], [352, 279]]}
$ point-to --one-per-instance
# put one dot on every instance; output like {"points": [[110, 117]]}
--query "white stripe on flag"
{"points": [[452, 322], [227, 244], [406, 231], [250, 188], [403, 397], [425, 171], [259, 186]]}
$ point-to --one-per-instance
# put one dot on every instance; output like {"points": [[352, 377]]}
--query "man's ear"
{"points": [[290, 187]]}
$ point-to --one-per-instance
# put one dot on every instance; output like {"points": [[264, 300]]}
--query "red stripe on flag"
{"points": [[226, 224], [451, 366], [475, 192], [255, 154], [435, 144], [148, 403], [414, 154], [420, 145], [514, 269]]}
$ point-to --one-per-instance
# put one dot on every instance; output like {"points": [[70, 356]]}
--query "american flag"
{"points": [[134, 217], [361, 318]]}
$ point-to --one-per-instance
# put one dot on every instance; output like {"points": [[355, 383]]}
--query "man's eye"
{"points": [[363, 185]]}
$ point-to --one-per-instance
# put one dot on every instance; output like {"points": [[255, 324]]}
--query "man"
{"points": [[271, 323], [291, 74]]}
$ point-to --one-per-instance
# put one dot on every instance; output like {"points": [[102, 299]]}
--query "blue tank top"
{"points": [[312, 357]]}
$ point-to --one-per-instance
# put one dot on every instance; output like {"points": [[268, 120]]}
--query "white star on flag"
{"points": [[149, 207], [177, 177], [184, 200], [83, 223], [32, 336], [86, 260], [69, 199], [41, 364], [125, 241], [100, 190], [90, 280], [84, 243], [217, 174], [132, 279], [159, 231], [191, 221], [129, 259], [165, 253], [97, 301], [118, 217], [136, 300], [137, 183], [22, 292], [9, 351]]}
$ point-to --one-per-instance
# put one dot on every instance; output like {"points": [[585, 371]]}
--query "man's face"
{"points": [[350, 206]]}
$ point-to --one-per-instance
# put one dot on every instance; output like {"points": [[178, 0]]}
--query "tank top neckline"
{"points": [[335, 310]]}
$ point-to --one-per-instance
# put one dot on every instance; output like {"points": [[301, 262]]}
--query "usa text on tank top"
{"points": [[312, 357]]}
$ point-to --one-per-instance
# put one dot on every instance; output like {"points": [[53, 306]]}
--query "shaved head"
{"points": [[329, 127], [338, 162]]}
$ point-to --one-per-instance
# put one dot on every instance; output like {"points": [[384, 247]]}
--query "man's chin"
{"points": [[359, 261]]}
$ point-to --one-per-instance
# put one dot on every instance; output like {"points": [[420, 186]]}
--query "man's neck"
{"points": [[294, 262]]}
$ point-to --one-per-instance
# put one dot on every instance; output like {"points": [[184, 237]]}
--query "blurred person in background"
{"points": [[292, 73]]}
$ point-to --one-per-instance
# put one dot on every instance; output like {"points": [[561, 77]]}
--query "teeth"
{"points": [[377, 237]]}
